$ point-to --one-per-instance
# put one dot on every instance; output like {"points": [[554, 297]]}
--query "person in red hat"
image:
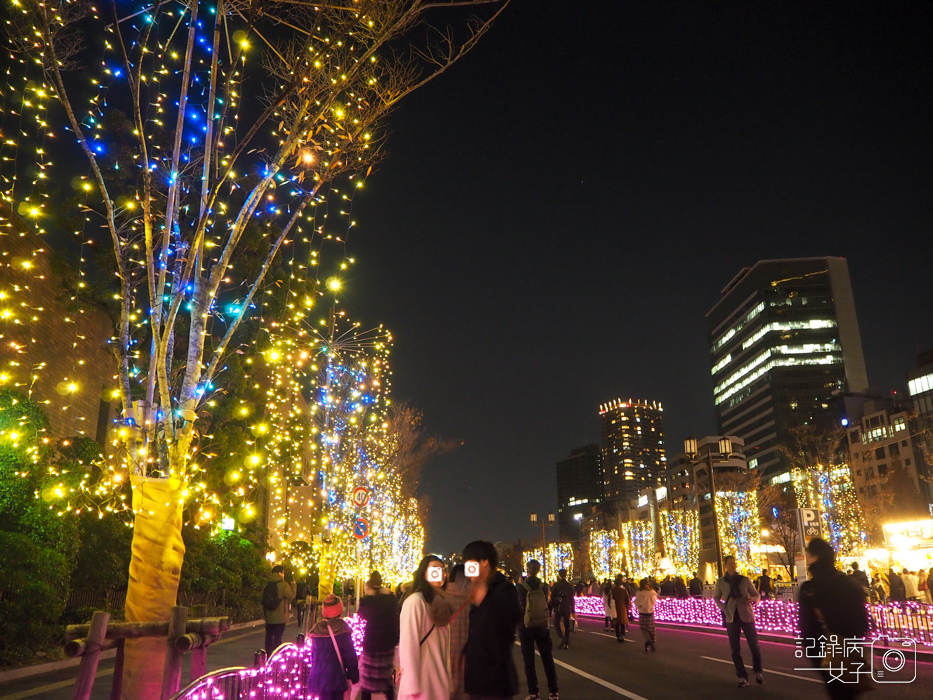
{"points": [[333, 659]]}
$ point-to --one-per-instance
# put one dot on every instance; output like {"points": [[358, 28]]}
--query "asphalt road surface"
{"points": [[596, 667]]}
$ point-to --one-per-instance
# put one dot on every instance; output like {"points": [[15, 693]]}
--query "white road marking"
{"points": [[599, 681], [768, 673], [603, 634]]}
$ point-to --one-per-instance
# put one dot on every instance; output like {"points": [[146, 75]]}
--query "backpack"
{"points": [[536, 613], [270, 596]]}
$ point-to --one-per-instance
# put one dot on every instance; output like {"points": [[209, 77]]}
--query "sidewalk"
{"points": [[55, 681]]}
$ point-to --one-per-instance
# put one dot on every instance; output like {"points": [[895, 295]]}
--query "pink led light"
{"points": [[902, 621]]}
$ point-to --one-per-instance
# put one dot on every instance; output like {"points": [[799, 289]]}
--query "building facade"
{"points": [[579, 489], [920, 387], [783, 339], [632, 448]]}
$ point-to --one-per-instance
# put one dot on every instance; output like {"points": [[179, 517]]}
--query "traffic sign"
{"points": [[360, 496], [361, 528]]}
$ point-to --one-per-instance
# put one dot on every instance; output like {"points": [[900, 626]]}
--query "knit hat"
{"points": [[332, 607]]}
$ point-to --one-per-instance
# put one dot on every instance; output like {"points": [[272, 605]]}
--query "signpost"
{"points": [[810, 527], [360, 496], [360, 531]]}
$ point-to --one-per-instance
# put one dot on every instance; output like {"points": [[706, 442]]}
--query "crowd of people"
{"points": [[448, 635]]}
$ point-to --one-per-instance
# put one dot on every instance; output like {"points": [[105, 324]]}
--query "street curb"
{"points": [[39, 669]]}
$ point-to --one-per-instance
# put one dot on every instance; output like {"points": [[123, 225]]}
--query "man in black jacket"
{"points": [[533, 600], [562, 595], [489, 671], [380, 611]]}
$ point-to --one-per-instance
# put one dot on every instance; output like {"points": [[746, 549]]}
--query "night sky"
{"points": [[561, 209]]}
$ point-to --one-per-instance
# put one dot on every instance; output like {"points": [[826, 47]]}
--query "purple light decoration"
{"points": [[896, 620]]}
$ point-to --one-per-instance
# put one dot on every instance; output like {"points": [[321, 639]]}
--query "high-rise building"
{"points": [[920, 387], [632, 448], [783, 339], [579, 488]]}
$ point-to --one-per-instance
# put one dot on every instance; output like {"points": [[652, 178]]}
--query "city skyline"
{"points": [[537, 250]]}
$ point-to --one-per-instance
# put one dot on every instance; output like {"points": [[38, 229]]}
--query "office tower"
{"points": [[579, 488], [783, 340], [632, 448], [920, 387]]}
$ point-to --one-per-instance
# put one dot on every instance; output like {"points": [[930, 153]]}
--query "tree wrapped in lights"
{"points": [[606, 557], [822, 480], [558, 556], [739, 527], [313, 83], [638, 543], [680, 533]]}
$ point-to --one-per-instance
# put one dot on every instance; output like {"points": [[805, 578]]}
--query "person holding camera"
{"points": [[736, 596], [489, 671]]}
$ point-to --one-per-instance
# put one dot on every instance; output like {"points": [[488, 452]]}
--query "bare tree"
{"points": [[222, 141]]}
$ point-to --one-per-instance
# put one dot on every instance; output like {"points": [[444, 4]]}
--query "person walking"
{"points": [[861, 579], [276, 597], [897, 593], [735, 595], [645, 600], [622, 603], [334, 664], [608, 605], [696, 586], [424, 640], [489, 671], [765, 585], [533, 631], [878, 592], [833, 605], [562, 595], [910, 585], [379, 610]]}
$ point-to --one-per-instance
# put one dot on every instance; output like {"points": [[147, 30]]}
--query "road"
{"points": [[687, 665]]}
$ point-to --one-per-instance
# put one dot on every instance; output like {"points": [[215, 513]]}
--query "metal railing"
{"points": [[912, 620]]}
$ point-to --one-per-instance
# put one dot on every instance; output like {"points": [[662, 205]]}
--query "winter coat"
{"points": [[424, 665], [327, 674], [286, 592], [380, 612], [534, 583], [680, 588], [898, 592], [489, 668], [646, 600], [838, 598], [622, 601], [696, 588], [741, 600], [562, 591], [910, 586]]}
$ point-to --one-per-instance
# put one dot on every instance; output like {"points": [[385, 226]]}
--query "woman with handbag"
{"points": [[333, 658], [424, 642]]}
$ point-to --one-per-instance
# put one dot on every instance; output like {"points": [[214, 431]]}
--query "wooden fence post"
{"points": [[89, 660], [171, 676], [116, 688]]}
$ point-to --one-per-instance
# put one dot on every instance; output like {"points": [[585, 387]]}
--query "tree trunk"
{"points": [[155, 569]]}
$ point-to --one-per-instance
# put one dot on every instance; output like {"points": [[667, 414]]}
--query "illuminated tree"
{"points": [[239, 113]]}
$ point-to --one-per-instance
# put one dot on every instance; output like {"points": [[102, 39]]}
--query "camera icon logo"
{"points": [[895, 662], [471, 569], [435, 574]]}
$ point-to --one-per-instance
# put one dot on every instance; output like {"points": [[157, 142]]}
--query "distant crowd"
{"points": [[448, 635]]}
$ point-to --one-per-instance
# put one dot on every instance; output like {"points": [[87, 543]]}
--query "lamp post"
{"points": [[725, 451], [549, 520]]}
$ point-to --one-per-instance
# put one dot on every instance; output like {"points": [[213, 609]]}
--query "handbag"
{"points": [[346, 693]]}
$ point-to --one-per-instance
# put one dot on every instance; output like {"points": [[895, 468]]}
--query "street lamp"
{"points": [[549, 520], [725, 450]]}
